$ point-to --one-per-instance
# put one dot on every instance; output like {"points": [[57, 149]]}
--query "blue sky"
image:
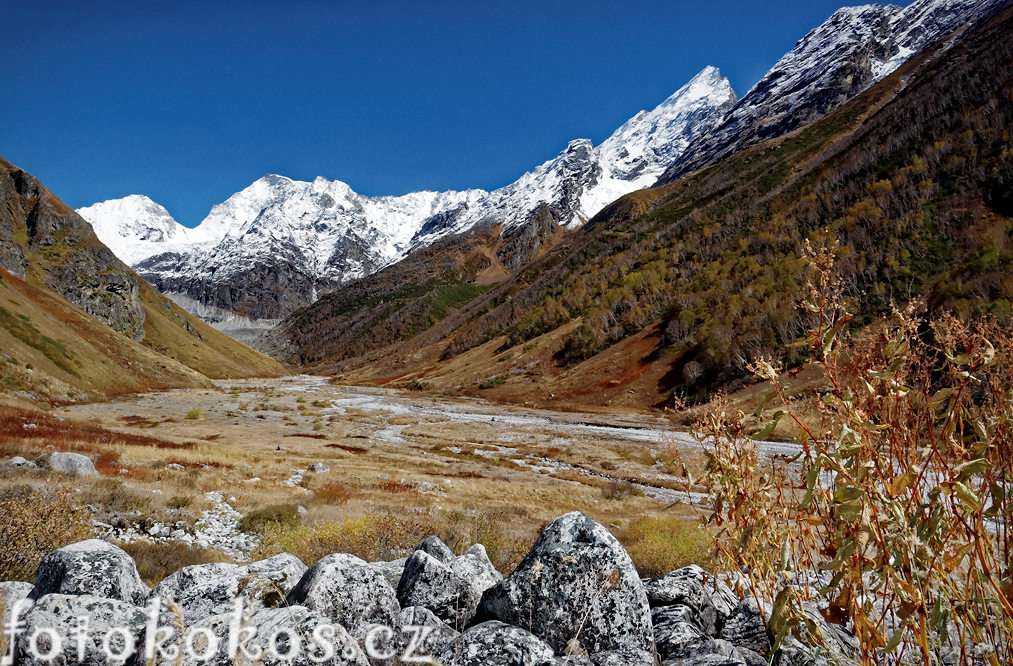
{"points": [[188, 102]]}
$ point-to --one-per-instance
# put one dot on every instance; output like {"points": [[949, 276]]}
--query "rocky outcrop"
{"points": [[91, 567], [577, 590], [73, 262]]}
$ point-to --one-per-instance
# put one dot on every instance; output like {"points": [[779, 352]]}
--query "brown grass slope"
{"points": [[696, 277], [75, 322]]}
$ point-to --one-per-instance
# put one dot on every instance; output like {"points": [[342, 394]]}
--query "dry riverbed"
{"points": [[342, 454]]}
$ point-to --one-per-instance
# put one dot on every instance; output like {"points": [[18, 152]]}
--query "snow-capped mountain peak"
{"points": [[135, 227], [647, 143], [854, 48], [279, 242]]}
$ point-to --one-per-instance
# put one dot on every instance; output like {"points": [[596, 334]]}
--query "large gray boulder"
{"points": [[476, 567], [449, 586], [497, 644], [417, 634], [577, 589], [72, 463], [746, 627], [627, 657], [92, 567], [347, 590], [676, 632], [429, 583], [435, 547], [391, 570], [289, 636], [59, 625], [710, 599], [203, 590]]}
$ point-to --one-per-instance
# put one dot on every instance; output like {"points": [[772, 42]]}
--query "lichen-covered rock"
{"points": [[10, 594], [576, 584], [628, 657], [497, 644], [717, 652], [429, 583], [391, 570], [79, 629], [91, 567], [676, 631], [476, 568], [417, 634], [72, 463], [13, 590], [746, 628], [710, 599], [347, 590], [203, 590], [289, 636], [433, 546], [709, 659]]}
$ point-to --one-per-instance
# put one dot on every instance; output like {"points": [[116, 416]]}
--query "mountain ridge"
{"points": [[853, 49], [296, 239]]}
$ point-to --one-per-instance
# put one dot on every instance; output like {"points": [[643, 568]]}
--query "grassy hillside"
{"points": [[75, 322], [53, 349], [692, 279]]}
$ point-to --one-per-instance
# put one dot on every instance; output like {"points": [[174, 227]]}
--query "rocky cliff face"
{"points": [[853, 49], [71, 259]]}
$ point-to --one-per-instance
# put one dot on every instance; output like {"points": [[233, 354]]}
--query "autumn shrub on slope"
{"points": [[896, 510]]}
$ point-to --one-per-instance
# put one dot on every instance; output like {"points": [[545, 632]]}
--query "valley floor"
{"points": [[257, 443]]}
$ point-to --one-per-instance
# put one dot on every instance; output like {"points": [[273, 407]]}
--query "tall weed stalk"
{"points": [[893, 518]]}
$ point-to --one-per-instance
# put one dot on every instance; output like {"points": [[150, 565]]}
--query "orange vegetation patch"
{"points": [[396, 487], [22, 429]]}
